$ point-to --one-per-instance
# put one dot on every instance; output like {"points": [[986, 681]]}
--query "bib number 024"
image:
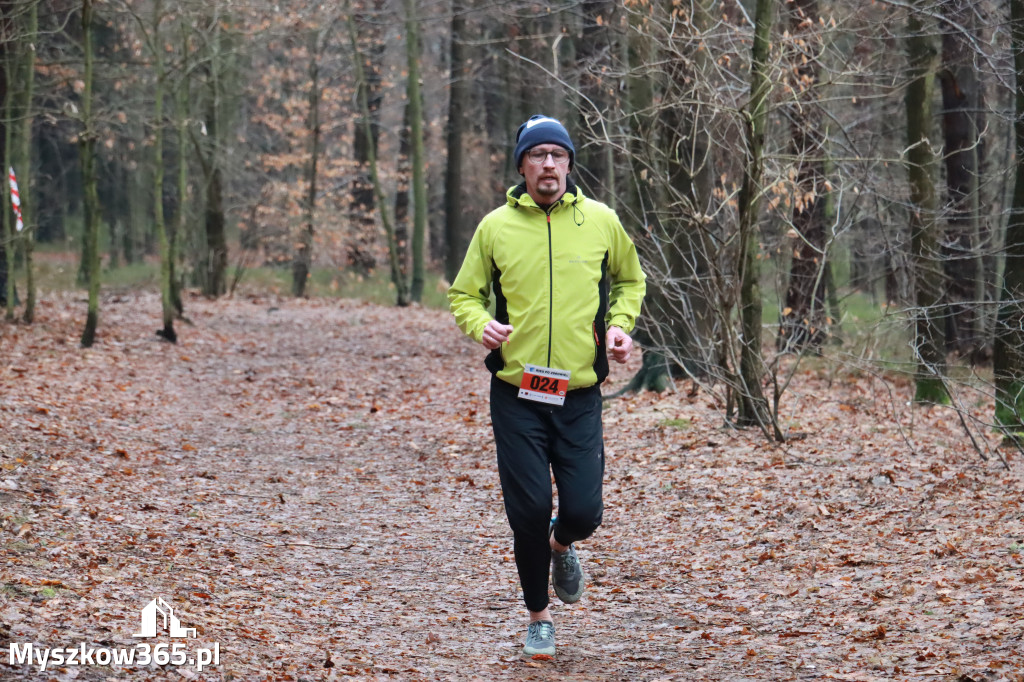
{"points": [[544, 384]]}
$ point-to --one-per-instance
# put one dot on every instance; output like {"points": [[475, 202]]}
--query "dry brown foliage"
{"points": [[310, 484]]}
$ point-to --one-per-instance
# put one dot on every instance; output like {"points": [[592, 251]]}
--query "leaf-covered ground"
{"points": [[311, 485]]}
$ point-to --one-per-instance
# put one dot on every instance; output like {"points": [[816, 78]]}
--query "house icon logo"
{"points": [[171, 623]]}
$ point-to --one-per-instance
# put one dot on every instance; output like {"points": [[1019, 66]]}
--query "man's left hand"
{"points": [[620, 344]]}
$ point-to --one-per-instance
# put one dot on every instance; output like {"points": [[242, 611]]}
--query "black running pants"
{"points": [[534, 441]]}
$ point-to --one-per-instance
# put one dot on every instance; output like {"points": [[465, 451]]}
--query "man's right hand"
{"points": [[495, 334]]}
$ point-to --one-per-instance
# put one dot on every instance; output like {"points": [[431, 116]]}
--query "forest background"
{"points": [[828, 201], [798, 176]]}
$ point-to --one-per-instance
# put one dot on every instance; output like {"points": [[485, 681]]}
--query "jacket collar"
{"points": [[518, 196]]}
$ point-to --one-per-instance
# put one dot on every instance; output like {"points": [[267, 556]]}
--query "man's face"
{"points": [[545, 178]]}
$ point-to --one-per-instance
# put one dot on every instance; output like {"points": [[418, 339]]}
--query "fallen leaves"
{"points": [[877, 633], [316, 524]]}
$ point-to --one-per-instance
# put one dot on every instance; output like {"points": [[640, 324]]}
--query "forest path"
{"points": [[311, 485]]}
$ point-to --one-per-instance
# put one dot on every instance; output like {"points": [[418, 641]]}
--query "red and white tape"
{"points": [[16, 200]]}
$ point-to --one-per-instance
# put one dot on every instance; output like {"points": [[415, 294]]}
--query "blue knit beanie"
{"points": [[542, 129]]}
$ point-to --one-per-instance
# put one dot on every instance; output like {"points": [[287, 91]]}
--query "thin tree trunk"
{"points": [[7, 294], [397, 278], [803, 321], [928, 280], [753, 408], [1008, 349], [216, 240], [166, 302], [403, 185], [418, 160], [215, 257], [90, 202], [363, 193], [181, 222], [303, 263], [961, 101], [24, 155], [213, 260], [456, 225]]}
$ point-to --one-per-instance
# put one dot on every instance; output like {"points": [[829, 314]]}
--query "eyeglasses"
{"points": [[537, 156]]}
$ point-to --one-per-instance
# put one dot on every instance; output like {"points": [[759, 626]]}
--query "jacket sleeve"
{"points": [[469, 295], [628, 280]]}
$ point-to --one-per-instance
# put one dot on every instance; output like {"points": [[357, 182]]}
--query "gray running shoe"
{"points": [[567, 575], [540, 638]]}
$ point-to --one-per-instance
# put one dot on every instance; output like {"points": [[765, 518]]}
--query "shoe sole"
{"points": [[562, 595], [567, 598]]}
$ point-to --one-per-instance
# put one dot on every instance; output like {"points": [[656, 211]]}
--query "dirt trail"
{"points": [[311, 486]]}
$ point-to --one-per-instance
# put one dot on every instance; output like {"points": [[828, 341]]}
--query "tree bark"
{"points": [[7, 293], [87, 145], [303, 259], [962, 122], [753, 408], [418, 157], [364, 142], [215, 275], [397, 277], [23, 151], [215, 260], [928, 281], [159, 223], [803, 321], [457, 230], [181, 106], [1008, 347]]}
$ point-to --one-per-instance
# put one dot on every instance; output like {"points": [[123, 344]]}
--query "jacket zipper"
{"points": [[551, 287]]}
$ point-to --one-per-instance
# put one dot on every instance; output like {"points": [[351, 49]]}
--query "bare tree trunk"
{"points": [[962, 124], [181, 105], [928, 280], [418, 156], [753, 408], [7, 232], [24, 152], [397, 278], [166, 301], [364, 142], [1008, 349], [216, 256], [303, 260], [87, 145], [402, 202], [639, 103], [213, 261], [457, 229], [803, 322]]}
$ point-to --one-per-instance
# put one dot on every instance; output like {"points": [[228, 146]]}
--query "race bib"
{"points": [[544, 384]]}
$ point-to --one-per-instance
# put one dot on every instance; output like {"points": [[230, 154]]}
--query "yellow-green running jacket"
{"points": [[560, 277]]}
